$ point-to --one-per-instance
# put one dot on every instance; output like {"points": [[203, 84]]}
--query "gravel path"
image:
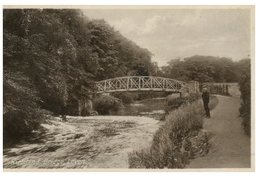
{"points": [[230, 146]]}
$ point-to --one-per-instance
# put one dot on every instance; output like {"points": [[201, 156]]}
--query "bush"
{"points": [[193, 97], [106, 104], [125, 97], [17, 124], [173, 144], [176, 102], [245, 108], [21, 115]]}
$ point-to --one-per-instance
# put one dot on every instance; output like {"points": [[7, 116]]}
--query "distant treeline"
{"points": [[52, 57], [205, 69]]}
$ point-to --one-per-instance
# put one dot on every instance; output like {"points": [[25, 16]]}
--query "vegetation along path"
{"points": [[230, 146]]}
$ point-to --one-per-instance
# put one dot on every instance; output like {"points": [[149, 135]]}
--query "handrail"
{"points": [[143, 83]]}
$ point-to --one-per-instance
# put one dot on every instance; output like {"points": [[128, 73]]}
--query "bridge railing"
{"points": [[133, 83], [222, 88]]}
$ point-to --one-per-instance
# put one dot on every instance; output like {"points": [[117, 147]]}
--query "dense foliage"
{"points": [[176, 102], [51, 60], [203, 69], [125, 97], [245, 89]]}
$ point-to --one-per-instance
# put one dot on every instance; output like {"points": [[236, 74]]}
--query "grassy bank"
{"points": [[177, 141]]}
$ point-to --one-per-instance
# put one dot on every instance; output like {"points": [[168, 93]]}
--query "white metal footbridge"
{"points": [[141, 83]]}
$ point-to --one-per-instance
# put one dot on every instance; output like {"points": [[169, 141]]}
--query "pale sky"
{"points": [[179, 33]]}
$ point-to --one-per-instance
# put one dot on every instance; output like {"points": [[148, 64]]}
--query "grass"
{"points": [[173, 144]]}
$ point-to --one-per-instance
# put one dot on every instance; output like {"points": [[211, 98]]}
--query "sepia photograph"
{"points": [[128, 88]]}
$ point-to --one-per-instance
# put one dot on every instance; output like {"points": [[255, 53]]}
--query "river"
{"points": [[90, 142]]}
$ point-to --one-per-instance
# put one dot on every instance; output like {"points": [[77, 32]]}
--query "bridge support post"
{"points": [[127, 84], [193, 87]]}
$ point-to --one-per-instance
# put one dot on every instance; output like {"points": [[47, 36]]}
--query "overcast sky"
{"points": [[173, 33]]}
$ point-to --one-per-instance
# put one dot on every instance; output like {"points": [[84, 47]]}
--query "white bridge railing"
{"points": [[140, 83]]}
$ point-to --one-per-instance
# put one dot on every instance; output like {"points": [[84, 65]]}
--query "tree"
{"points": [[203, 69], [52, 57]]}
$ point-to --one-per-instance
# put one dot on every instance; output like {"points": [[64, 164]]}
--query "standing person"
{"points": [[205, 98]]}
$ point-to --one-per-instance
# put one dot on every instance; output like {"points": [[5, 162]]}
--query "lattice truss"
{"points": [[133, 83]]}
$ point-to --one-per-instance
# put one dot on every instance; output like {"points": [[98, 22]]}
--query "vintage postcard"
{"points": [[128, 88]]}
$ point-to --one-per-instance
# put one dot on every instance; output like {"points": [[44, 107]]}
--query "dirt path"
{"points": [[85, 142], [230, 146]]}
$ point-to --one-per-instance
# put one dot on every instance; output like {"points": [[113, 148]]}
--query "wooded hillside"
{"points": [[51, 60]]}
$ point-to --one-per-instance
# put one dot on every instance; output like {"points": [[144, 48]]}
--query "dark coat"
{"points": [[205, 97]]}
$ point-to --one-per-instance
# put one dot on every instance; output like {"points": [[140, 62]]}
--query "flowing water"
{"points": [[90, 142]]}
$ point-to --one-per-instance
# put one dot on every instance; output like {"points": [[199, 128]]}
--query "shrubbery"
{"points": [[18, 124], [106, 104], [125, 97], [172, 145], [21, 114], [245, 88], [176, 102]]}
